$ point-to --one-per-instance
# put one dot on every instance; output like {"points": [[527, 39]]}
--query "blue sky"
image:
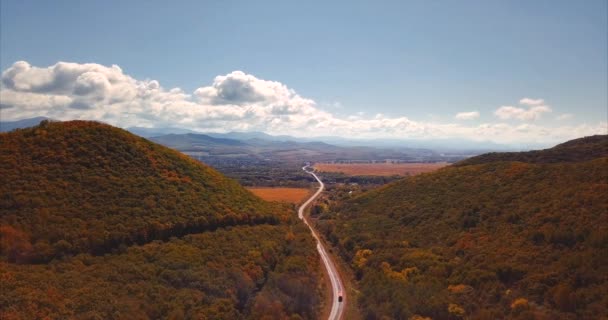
{"points": [[423, 60]]}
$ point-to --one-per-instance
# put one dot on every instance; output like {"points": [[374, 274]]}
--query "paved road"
{"points": [[337, 307]]}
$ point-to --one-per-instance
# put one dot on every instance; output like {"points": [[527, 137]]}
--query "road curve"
{"points": [[337, 307]]}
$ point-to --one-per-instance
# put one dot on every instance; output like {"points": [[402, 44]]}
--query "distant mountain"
{"points": [[287, 150], [498, 236], [192, 141], [251, 135], [460, 146], [435, 144], [155, 132], [97, 223], [440, 145], [6, 126], [582, 149]]}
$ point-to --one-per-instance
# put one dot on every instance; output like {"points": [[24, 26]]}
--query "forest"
{"points": [[97, 223], [581, 149], [522, 236]]}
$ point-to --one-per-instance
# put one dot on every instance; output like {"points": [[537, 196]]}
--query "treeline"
{"points": [[18, 248], [245, 272], [501, 240], [341, 178]]}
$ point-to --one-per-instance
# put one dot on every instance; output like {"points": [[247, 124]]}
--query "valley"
{"points": [[303, 160], [465, 240]]}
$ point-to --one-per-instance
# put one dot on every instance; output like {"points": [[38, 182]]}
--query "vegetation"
{"points": [[225, 274], [491, 240], [379, 169], [97, 223], [582, 149], [254, 172], [78, 187]]}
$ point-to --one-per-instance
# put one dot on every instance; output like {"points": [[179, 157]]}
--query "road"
{"points": [[337, 307]]}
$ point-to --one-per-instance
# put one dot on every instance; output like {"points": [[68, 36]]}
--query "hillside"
{"points": [[582, 149], [494, 240], [97, 222]]}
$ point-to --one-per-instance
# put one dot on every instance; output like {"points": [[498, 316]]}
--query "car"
{"points": [[340, 298]]}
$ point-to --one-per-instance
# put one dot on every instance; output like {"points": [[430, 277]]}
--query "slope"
{"points": [[485, 241], [582, 149], [86, 187], [99, 223]]}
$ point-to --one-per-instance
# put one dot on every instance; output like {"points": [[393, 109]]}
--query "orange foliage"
{"points": [[15, 244]]}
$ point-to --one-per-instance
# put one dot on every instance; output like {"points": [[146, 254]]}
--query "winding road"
{"points": [[337, 306]]}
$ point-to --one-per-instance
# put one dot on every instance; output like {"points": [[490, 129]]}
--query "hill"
{"points": [[97, 222], [484, 239], [581, 149]]}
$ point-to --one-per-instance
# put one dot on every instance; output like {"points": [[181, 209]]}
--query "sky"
{"points": [[501, 71]]}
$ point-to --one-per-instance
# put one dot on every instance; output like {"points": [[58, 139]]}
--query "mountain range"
{"points": [[459, 146]]}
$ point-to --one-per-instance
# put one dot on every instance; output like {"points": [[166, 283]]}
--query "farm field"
{"points": [[291, 195], [379, 169]]}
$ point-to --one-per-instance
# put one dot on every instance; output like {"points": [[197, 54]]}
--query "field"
{"points": [[291, 195], [379, 169]]}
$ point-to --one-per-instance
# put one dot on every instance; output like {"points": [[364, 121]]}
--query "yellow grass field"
{"points": [[291, 195], [379, 169]]}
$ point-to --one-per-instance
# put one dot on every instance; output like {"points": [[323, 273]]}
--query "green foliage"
{"points": [[499, 231]]}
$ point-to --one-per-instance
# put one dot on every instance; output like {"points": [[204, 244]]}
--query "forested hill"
{"points": [[97, 223], [495, 240], [582, 149], [87, 187]]}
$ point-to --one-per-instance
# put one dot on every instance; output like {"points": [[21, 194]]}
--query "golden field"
{"points": [[291, 195]]}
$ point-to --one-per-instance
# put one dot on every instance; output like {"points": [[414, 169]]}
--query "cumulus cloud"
{"points": [[564, 116], [536, 108], [234, 102], [510, 112], [467, 115], [531, 102]]}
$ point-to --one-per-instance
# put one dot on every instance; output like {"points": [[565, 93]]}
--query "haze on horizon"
{"points": [[511, 72]]}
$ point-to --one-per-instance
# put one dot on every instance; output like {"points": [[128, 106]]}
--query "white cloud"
{"points": [[233, 102], [564, 116], [531, 102], [467, 115], [533, 112]]}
